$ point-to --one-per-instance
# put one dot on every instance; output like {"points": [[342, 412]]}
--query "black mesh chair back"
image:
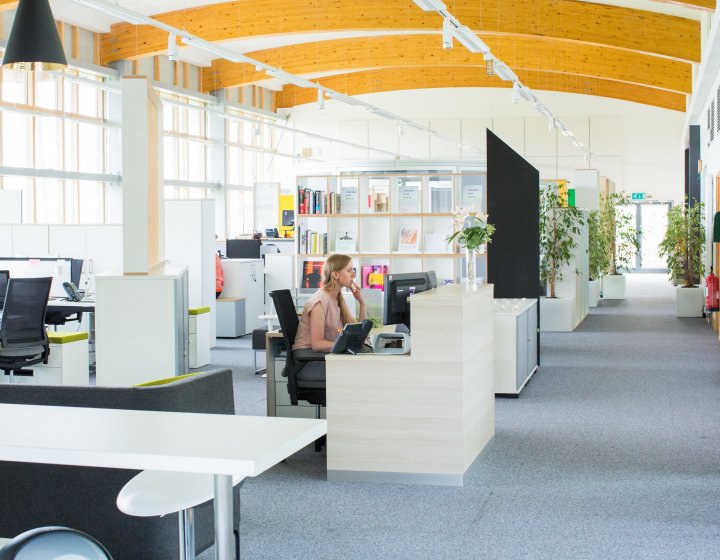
{"points": [[4, 277], [309, 387], [23, 319]]}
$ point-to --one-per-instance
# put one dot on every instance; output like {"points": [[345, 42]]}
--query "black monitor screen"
{"points": [[398, 288], [243, 249], [76, 271]]}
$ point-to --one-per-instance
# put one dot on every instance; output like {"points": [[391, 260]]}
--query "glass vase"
{"points": [[470, 266]]}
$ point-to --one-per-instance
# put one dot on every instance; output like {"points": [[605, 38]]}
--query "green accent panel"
{"points": [[571, 197], [198, 310], [57, 337], [167, 380], [716, 228]]}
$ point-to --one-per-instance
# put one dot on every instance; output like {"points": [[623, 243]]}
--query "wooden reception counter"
{"points": [[421, 418]]}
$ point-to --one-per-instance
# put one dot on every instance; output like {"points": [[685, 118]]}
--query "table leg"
{"points": [[223, 517]]}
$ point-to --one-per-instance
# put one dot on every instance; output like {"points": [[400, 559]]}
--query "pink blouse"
{"points": [[333, 320]]}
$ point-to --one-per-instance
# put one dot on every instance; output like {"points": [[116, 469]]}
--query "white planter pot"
{"points": [[689, 302], [614, 286], [594, 293], [557, 314]]}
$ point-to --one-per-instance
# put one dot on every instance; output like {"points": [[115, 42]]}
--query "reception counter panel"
{"points": [[419, 418]]}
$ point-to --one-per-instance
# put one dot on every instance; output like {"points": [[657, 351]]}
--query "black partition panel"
{"points": [[513, 205]]}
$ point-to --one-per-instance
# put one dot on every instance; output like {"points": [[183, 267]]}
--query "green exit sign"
{"points": [[638, 196]]}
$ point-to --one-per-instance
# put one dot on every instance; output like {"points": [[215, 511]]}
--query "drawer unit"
{"points": [[515, 343]]}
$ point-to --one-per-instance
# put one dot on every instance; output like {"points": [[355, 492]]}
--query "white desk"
{"points": [[169, 441]]}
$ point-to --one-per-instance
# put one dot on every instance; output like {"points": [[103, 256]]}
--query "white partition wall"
{"points": [[190, 240]]}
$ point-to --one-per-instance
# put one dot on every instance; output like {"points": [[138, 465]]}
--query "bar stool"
{"points": [[152, 493]]}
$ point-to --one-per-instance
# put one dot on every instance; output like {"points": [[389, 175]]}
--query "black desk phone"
{"points": [[352, 337], [71, 291]]}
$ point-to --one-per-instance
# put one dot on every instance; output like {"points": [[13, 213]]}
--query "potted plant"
{"points": [[682, 246], [622, 243], [559, 227], [598, 255], [472, 231]]}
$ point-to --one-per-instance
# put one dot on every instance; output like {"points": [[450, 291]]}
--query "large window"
{"points": [[53, 126]]}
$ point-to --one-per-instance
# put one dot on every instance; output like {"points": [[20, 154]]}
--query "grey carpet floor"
{"points": [[612, 451]]}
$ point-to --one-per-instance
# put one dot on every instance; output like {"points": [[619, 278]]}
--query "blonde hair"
{"points": [[337, 263]]}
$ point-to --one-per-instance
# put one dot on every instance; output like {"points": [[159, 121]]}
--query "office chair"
{"points": [[4, 277], [306, 376], [56, 318], [23, 340], [51, 543]]}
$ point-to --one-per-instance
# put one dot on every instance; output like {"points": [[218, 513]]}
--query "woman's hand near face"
{"points": [[356, 292]]}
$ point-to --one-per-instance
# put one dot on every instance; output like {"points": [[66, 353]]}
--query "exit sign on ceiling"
{"points": [[638, 196]]}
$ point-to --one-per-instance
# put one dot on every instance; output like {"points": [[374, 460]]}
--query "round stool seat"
{"points": [[152, 493]]}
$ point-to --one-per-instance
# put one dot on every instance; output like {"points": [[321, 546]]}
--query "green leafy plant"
{"points": [[598, 246], [684, 242], [558, 225], [471, 229], [620, 232]]}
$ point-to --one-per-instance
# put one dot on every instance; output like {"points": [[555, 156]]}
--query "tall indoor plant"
{"points": [[682, 246], [558, 224], [598, 254], [622, 243]]}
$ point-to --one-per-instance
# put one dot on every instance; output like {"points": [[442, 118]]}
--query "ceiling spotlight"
{"points": [[447, 34], [551, 125], [321, 99], [172, 52], [516, 92], [258, 68], [401, 129]]}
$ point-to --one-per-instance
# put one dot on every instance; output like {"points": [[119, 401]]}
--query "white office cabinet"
{"points": [[515, 322], [141, 324], [244, 278]]}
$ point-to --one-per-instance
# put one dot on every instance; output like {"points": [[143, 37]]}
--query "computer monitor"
{"points": [[243, 249], [398, 288], [76, 271]]}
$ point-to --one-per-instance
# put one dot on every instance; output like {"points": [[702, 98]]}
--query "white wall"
{"points": [[637, 146]]}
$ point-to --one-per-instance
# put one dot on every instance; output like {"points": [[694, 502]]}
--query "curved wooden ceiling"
{"points": [[559, 45]]}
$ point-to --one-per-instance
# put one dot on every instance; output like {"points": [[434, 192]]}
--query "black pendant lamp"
{"points": [[34, 43]]}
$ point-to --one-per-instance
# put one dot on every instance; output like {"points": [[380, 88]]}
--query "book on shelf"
{"points": [[311, 242], [408, 198], [408, 240], [348, 200], [312, 274], [345, 241], [472, 196], [312, 202], [373, 276]]}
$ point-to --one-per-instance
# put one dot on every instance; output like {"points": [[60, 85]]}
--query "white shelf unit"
{"points": [[376, 209]]}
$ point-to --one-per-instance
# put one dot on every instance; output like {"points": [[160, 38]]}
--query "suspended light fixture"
{"points": [[489, 64], [321, 99], [34, 43]]}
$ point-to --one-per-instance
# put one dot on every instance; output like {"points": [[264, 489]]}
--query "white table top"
{"points": [[137, 439]]}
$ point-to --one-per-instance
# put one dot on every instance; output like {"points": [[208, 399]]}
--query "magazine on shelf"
{"points": [[408, 199], [348, 200], [408, 240], [312, 274], [472, 196], [345, 241], [373, 276]]}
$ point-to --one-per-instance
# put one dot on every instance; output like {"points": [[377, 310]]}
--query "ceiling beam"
{"points": [[585, 22], [396, 79], [398, 51]]}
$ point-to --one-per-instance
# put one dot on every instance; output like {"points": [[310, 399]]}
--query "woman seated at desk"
{"points": [[325, 312]]}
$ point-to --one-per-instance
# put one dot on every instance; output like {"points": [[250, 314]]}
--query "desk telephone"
{"points": [[71, 291]]}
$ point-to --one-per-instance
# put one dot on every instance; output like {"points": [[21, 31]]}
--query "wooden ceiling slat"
{"points": [[625, 28], [521, 54], [394, 79]]}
